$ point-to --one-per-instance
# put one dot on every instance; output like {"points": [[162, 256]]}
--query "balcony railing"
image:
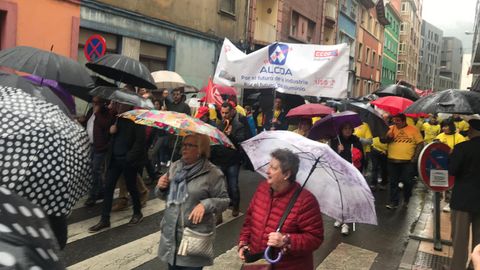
{"points": [[265, 31]]}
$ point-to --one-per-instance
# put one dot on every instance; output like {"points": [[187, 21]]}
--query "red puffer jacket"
{"points": [[304, 224]]}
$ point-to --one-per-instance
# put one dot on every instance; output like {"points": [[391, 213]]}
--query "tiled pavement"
{"points": [[421, 255]]}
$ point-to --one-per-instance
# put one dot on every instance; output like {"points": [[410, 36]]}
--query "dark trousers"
{"points": [[400, 172], [98, 161], [60, 229], [116, 168], [171, 267], [231, 173], [379, 166]]}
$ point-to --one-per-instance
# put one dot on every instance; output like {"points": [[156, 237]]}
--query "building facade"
{"points": [[390, 44], [17, 27], [430, 55], [408, 51], [475, 66], [370, 36], [183, 36], [451, 63]]}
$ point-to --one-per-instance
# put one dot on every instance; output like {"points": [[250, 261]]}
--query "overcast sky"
{"points": [[454, 17]]}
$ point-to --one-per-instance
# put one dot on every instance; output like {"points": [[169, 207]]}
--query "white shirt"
{"points": [[90, 123]]}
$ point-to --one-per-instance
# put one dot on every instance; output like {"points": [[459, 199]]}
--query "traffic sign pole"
{"points": [[433, 170]]}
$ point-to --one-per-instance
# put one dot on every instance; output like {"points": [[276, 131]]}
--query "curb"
{"points": [[410, 253]]}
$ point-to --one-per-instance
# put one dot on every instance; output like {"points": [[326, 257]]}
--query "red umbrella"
{"points": [[392, 104], [224, 90], [310, 110]]}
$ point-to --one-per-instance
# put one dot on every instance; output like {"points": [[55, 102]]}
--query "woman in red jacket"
{"points": [[302, 231]]}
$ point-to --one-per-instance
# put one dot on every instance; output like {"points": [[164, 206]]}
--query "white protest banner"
{"points": [[302, 69]]}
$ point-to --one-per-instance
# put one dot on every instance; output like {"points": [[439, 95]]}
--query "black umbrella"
{"points": [[26, 239], [123, 96], [41, 92], [367, 114], [397, 90], [44, 155], [47, 65], [124, 69], [447, 101]]}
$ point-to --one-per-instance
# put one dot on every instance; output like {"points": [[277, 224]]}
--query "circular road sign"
{"points": [[95, 47], [433, 167]]}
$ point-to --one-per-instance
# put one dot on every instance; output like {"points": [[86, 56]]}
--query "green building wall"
{"points": [[390, 48]]}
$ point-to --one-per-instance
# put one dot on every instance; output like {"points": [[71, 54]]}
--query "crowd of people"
{"points": [[200, 181]]}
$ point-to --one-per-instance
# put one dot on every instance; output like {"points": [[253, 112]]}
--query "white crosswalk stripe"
{"points": [[79, 230]]}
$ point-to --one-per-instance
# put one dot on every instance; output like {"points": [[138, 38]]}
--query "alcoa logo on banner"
{"points": [[277, 55]]}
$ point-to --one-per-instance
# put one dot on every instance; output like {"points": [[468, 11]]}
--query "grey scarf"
{"points": [[178, 186]]}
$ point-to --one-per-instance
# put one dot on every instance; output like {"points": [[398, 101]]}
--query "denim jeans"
{"points": [[98, 161], [171, 267], [115, 169], [400, 172], [231, 173]]}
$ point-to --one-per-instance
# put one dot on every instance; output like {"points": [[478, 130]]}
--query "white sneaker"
{"points": [[162, 163], [337, 224], [446, 208], [345, 229], [168, 163], [400, 185]]}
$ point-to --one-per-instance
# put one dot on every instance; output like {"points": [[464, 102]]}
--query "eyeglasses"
{"points": [[189, 145]]}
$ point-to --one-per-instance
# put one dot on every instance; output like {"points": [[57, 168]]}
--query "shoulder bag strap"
{"points": [[289, 208]]}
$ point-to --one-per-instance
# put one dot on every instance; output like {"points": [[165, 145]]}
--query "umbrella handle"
{"points": [[270, 260]]}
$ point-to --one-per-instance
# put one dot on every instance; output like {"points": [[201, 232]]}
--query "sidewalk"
{"points": [[420, 255]]}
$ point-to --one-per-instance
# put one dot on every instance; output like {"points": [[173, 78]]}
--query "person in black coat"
{"points": [[464, 164], [349, 147], [127, 153]]}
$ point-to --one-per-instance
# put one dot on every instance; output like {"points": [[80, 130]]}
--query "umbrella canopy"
{"points": [[167, 79], [223, 90], [328, 127], [367, 114], [44, 155], [392, 104], [47, 65], [40, 92], [397, 90], [447, 101], [310, 110], [124, 69], [63, 94], [177, 123], [340, 188], [123, 96], [25, 235]]}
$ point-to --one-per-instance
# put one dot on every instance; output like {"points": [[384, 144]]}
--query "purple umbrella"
{"points": [[63, 94], [328, 127]]}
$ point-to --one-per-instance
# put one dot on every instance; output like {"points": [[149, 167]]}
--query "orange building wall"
{"points": [[43, 23]]}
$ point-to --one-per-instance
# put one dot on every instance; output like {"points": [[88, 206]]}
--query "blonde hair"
{"points": [[203, 144]]}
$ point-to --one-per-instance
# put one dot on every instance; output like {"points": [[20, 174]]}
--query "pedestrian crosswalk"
{"points": [[123, 247], [125, 253]]}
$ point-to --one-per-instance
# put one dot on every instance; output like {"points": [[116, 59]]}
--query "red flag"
{"points": [[212, 94]]}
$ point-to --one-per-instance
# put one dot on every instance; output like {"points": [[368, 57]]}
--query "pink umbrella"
{"points": [[392, 104], [310, 110]]}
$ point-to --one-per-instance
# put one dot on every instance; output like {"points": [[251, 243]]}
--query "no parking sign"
{"points": [[433, 167], [95, 47]]}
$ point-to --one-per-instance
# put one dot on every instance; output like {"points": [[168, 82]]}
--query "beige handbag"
{"points": [[196, 243]]}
